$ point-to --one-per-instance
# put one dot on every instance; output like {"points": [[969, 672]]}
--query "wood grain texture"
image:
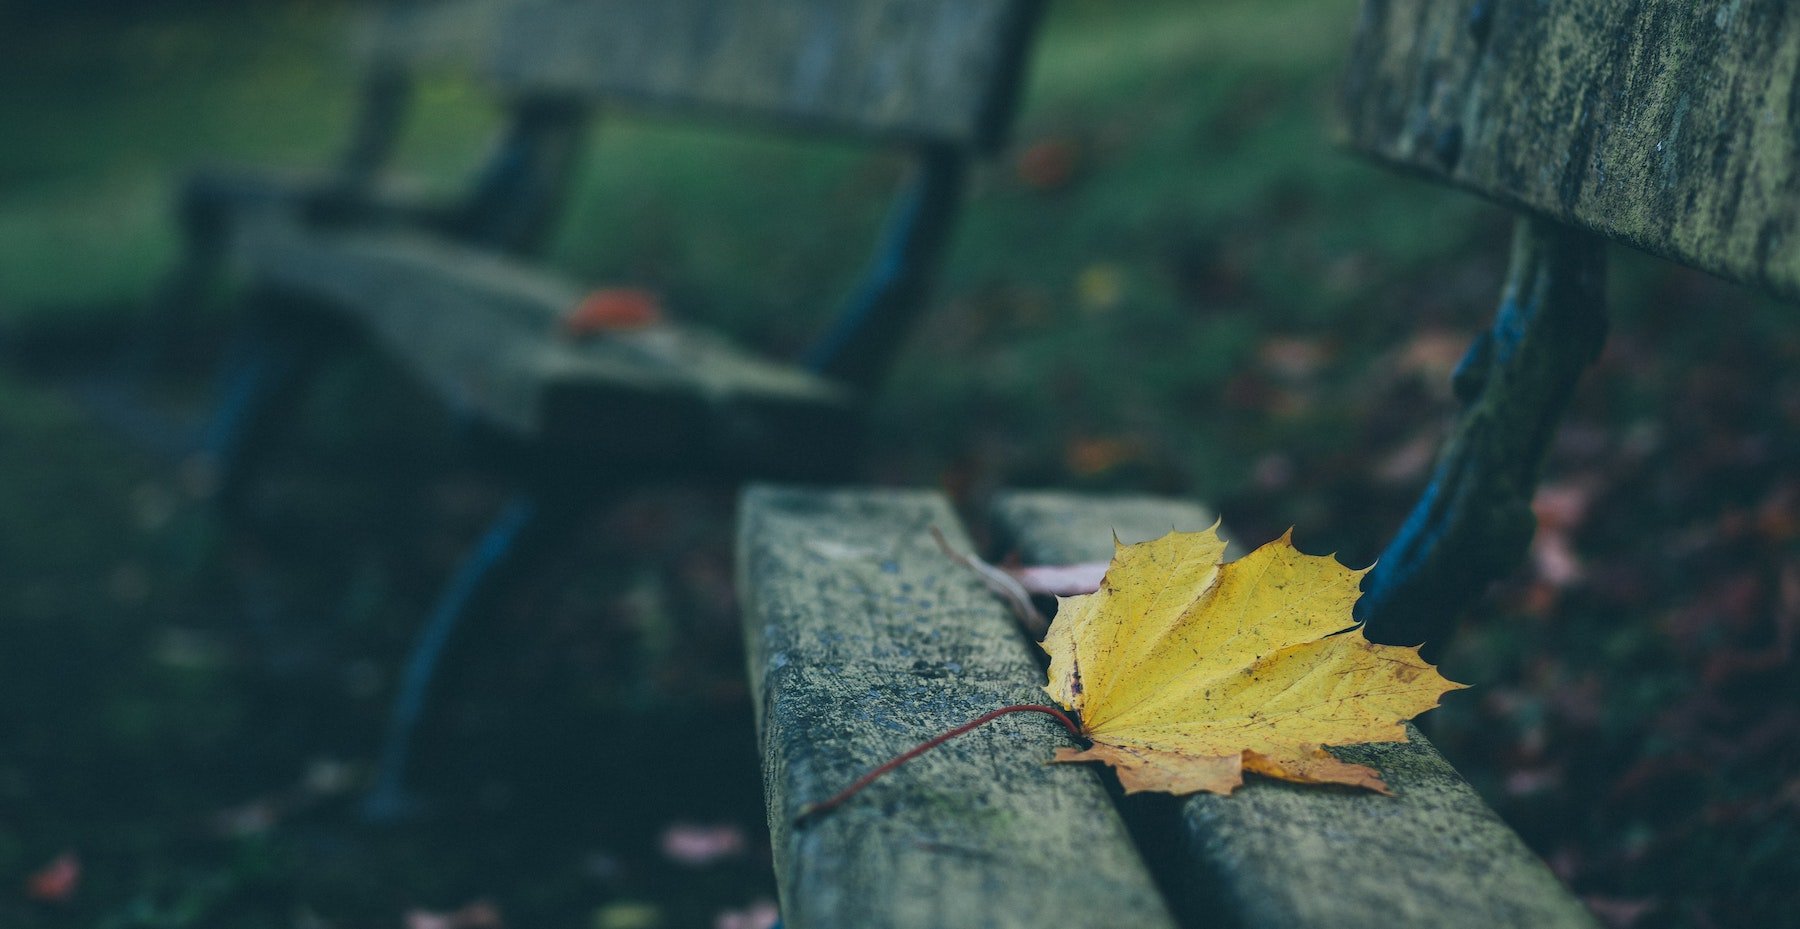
{"points": [[864, 639], [485, 333], [1278, 854], [1672, 125], [1054, 527], [938, 70]]}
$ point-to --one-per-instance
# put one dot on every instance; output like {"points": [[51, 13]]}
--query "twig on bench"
{"points": [[813, 810], [1004, 586]]}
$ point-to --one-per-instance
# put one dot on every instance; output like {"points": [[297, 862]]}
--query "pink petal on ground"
{"points": [[759, 915], [697, 845], [1062, 580]]}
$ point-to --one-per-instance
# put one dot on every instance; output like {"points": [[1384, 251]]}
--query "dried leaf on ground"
{"points": [[481, 914], [613, 309], [699, 845], [1187, 672], [56, 881], [759, 915]]}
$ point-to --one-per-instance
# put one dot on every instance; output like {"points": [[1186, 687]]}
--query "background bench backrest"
{"points": [[932, 70], [1672, 125], [938, 77], [433, 35]]}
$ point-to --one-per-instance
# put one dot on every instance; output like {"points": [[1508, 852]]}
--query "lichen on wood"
{"points": [[863, 640], [1672, 125]]}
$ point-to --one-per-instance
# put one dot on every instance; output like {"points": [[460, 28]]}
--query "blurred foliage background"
{"points": [[1171, 282]]}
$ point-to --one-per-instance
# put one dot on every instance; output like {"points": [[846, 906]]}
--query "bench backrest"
{"points": [[409, 36], [1671, 125], [931, 71], [938, 77]]}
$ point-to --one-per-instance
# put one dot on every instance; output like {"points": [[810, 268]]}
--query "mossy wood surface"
{"points": [[938, 70], [1279, 854], [486, 334], [1673, 125], [864, 639]]}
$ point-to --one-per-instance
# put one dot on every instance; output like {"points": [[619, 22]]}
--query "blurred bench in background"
{"points": [[577, 398]]}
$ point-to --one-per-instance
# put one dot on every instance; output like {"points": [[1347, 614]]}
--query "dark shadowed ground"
{"points": [[1172, 283]]}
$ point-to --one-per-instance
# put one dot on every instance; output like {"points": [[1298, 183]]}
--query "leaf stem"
{"points": [[813, 810]]}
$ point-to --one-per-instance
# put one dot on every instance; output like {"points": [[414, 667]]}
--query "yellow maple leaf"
{"points": [[1186, 672]]}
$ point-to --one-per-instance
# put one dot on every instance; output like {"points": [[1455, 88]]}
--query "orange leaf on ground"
{"points": [[1049, 164], [614, 309], [55, 882]]}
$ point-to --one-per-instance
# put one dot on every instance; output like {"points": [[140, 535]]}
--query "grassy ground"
{"points": [[1215, 303]]}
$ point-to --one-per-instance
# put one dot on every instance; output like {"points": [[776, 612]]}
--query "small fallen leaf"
{"points": [[613, 309], [759, 915], [1090, 456], [1187, 672], [1620, 912], [697, 846], [1048, 164], [481, 914], [56, 881], [1293, 359], [1409, 462], [1432, 355]]}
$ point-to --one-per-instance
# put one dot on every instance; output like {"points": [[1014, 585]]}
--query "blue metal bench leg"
{"points": [[264, 380], [527, 525], [169, 326], [1473, 523]]}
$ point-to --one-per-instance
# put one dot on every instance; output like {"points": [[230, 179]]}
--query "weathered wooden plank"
{"points": [[1054, 527], [863, 639], [485, 333], [944, 70], [1673, 125], [431, 35], [1277, 854]]}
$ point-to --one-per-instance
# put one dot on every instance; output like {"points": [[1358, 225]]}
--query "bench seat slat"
{"points": [[864, 639], [1279, 854], [485, 333]]}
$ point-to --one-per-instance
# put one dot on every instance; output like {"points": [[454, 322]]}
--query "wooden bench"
{"points": [[442, 290], [1666, 125], [864, 638], [509, 204]]}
